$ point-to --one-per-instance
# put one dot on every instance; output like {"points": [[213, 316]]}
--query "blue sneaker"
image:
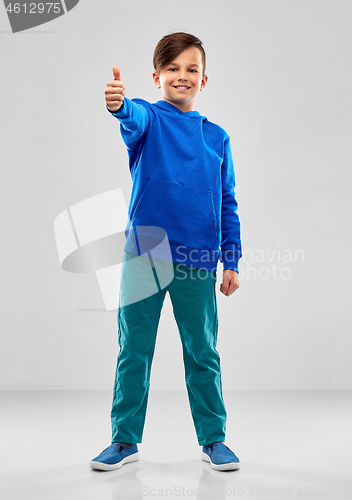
{"points": [[220, 457], [114, 456]]}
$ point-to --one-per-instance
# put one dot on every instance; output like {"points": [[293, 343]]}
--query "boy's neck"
{"points": [[183, 107]]}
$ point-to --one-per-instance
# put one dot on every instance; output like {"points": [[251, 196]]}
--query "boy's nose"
{"points": [[182, 76]]}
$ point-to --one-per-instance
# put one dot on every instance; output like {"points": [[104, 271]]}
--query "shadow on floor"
{"points": [[193, 479]]}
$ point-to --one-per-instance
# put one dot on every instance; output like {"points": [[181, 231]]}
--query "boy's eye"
{"points": [[172, 69]]}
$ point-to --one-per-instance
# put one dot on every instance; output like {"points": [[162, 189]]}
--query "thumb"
{"points": [[116, 72]]}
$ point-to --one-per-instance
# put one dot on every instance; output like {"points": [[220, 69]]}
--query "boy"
{"points": [[183, 185]]}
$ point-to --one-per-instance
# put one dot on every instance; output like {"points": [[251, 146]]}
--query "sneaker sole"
{"points": [[229, 466], [126, 460]]}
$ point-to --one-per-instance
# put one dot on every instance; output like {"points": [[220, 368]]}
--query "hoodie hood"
{"points": [[167, 106]]}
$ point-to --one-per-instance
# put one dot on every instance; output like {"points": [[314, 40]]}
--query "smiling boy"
{"points": [[182, 79], [183, 183]]}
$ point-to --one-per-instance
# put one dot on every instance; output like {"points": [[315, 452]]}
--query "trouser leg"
{"points": [[137, 329], [193, 297]]}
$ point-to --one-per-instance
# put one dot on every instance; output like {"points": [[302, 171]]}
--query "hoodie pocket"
{"points": [[185, 213]]}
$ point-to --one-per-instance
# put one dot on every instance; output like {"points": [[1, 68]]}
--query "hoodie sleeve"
{"points": [[231, 249], [134, 121]]}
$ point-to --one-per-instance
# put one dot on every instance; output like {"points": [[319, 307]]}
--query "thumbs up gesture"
{"points": [[115, 91]]}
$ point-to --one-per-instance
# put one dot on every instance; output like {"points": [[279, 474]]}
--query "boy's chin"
{"points": [[180, 99]]}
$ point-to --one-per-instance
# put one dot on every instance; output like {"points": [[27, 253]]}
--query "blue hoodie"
{"points": [[183, 186]]}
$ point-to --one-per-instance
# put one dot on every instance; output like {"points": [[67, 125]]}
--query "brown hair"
{"points": [[170, 46]]}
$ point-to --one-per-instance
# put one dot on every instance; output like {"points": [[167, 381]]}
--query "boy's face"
{"points": [[186, 70]]}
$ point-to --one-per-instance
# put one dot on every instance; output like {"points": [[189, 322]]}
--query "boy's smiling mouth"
{"points": [[181, 87]]}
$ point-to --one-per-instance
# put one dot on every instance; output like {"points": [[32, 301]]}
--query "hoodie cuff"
{"points": [[230, 260]]}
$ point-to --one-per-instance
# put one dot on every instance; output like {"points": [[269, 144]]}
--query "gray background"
{"points": [[280, 84]]}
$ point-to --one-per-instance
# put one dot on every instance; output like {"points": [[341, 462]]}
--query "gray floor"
{"points": [[292, 444]]}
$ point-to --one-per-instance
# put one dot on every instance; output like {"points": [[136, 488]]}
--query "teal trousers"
{"points": [[143, 286]]}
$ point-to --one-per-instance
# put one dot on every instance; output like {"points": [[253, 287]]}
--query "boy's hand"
{"points": [[230, 282], [115, 91]]}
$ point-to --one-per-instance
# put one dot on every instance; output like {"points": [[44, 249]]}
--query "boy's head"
{"points": [[170, 46], [179, 62]]}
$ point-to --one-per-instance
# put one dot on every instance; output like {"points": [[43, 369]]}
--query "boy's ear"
{"points": [[204, 82], [156, 79]]}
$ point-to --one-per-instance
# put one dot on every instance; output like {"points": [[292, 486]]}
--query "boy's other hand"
{"points": [[230, 282], [115, 91]]}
